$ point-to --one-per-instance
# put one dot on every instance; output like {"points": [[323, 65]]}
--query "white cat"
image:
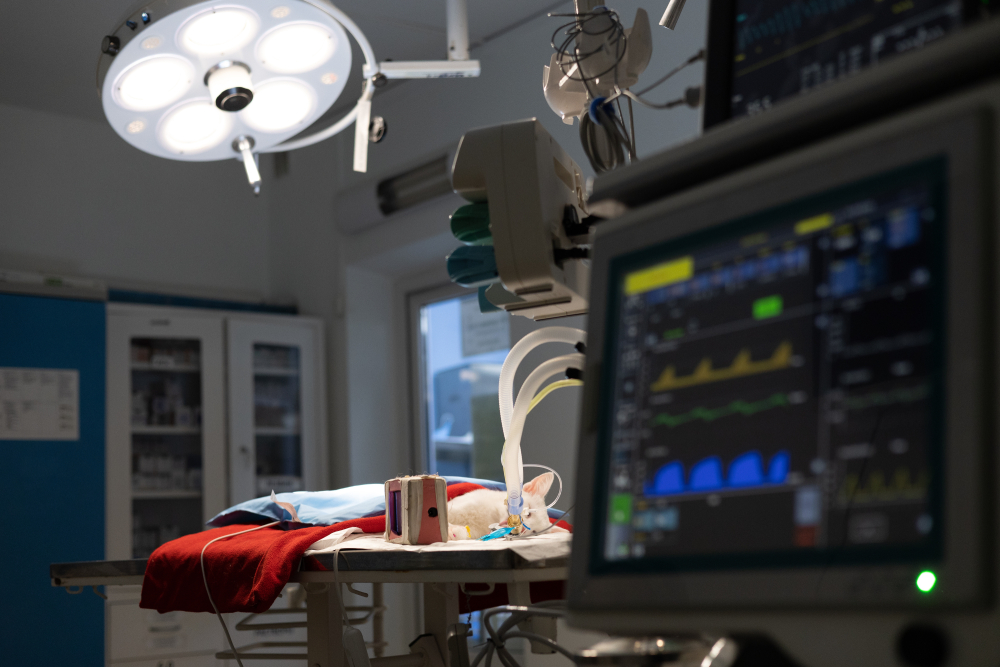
{"points": [[483, 507]]}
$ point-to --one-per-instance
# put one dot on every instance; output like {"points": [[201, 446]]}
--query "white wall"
{"points": [[76, 199]]}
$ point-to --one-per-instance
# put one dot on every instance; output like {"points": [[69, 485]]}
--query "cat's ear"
{"points": [[539, 486]]}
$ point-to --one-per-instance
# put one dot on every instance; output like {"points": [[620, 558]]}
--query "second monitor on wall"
{"points": [[762, 52]]}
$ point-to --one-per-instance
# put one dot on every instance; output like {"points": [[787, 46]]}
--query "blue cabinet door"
{"points": [[53, 489]]}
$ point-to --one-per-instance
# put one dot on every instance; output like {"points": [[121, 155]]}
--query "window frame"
{"points": [[415, 301]]}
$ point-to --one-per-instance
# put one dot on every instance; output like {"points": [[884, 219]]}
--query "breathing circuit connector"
{"points": [[515, 523]]}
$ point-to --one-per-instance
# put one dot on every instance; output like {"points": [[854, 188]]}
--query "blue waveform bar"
{"points": [[787, 19], [746, 471]]}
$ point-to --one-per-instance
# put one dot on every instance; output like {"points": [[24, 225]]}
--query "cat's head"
{"points": [[534, 512]]}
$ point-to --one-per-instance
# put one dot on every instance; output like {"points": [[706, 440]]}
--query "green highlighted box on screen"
{"points": [[621, 508], [768, 306]]}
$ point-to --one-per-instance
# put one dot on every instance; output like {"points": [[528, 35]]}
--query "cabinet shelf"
{"points": [[165, 430], [278, 372], [275, 430], [177, 368], [164, 494]]}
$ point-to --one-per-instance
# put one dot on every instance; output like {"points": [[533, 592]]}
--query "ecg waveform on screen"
{"points": [[745, 472], [787, 19], [879, 399], [738, 407], [876, 488], [742, 366]]}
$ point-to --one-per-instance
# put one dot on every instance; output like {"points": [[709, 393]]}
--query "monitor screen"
{"points": [[775, 386], [782, 48]]}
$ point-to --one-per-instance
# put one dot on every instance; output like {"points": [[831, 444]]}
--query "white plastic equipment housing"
{"points": [[527, 180], [564, 90]]}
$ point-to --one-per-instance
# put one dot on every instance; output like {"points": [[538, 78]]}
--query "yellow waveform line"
{"points": [[878, 489], [742, 366]]}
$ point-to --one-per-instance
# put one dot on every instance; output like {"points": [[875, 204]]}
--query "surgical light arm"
{"points": [[672, 14]]}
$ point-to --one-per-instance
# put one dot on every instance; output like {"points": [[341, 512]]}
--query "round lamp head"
{"points": [[182, 79]]}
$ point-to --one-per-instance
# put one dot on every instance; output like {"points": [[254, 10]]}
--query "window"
{"points": [[461, 352]]}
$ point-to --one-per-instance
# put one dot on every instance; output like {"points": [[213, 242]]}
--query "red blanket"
{"points": [[247, 572]]}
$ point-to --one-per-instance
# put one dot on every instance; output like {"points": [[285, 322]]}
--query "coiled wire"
{"points": [[605, 139], [571, 58]]}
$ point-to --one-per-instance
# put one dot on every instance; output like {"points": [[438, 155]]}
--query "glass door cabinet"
{"points": [[166, 429], [274, 402]]}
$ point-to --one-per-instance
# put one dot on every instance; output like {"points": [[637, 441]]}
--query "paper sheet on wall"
{"points": [[483, 332], [39, 404]]}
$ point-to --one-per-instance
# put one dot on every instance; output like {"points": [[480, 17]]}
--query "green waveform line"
{"points": [[880, 398], [738, 407]]}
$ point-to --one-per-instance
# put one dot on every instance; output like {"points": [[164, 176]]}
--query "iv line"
{"points": [[209, 593]]}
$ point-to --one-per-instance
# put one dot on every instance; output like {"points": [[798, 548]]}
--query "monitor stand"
{"points": [[737, 650]]}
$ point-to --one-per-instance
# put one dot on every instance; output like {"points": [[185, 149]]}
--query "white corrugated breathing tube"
{"points": [[513, 414]]}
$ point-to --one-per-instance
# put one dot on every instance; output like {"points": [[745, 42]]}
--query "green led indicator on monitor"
{"points": [[926, 581], [769, 306]]}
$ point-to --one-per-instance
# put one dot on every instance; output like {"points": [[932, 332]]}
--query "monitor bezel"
{"points": [[935, 172], [717, 107], [868, 153]]}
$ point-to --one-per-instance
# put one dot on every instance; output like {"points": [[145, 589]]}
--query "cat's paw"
{"points": [[458, 532]]}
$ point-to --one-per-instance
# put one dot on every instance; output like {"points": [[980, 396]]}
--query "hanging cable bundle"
{"points": [[604, 137], [594, 45], [597, 61], [592, 53]]}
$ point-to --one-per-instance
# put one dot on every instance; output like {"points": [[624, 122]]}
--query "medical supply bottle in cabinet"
{"points": [[276, 394], [166, 427]]}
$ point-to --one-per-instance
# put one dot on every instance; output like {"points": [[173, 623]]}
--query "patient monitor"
{"points": [[789, 420]]}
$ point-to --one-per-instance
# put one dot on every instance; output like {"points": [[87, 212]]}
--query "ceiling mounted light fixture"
{"points": [[222, 80]]}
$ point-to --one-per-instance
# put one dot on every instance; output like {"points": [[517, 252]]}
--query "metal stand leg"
{"points": [[520, 593], [378, 620], [325, 626], [440, 612]]}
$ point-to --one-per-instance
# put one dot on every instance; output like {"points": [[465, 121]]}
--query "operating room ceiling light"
{"points": [[280, 104], [154, 83], [217, 31], [296, 47], [194, 127], [190, 80], [194, 70]]}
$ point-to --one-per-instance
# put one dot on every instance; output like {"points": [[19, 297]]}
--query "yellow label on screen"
{"points": [[810, 225], [660, 275]]}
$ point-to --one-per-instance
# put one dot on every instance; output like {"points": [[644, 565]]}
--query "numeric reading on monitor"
{"points": [[782, 48], [774, 389]]}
